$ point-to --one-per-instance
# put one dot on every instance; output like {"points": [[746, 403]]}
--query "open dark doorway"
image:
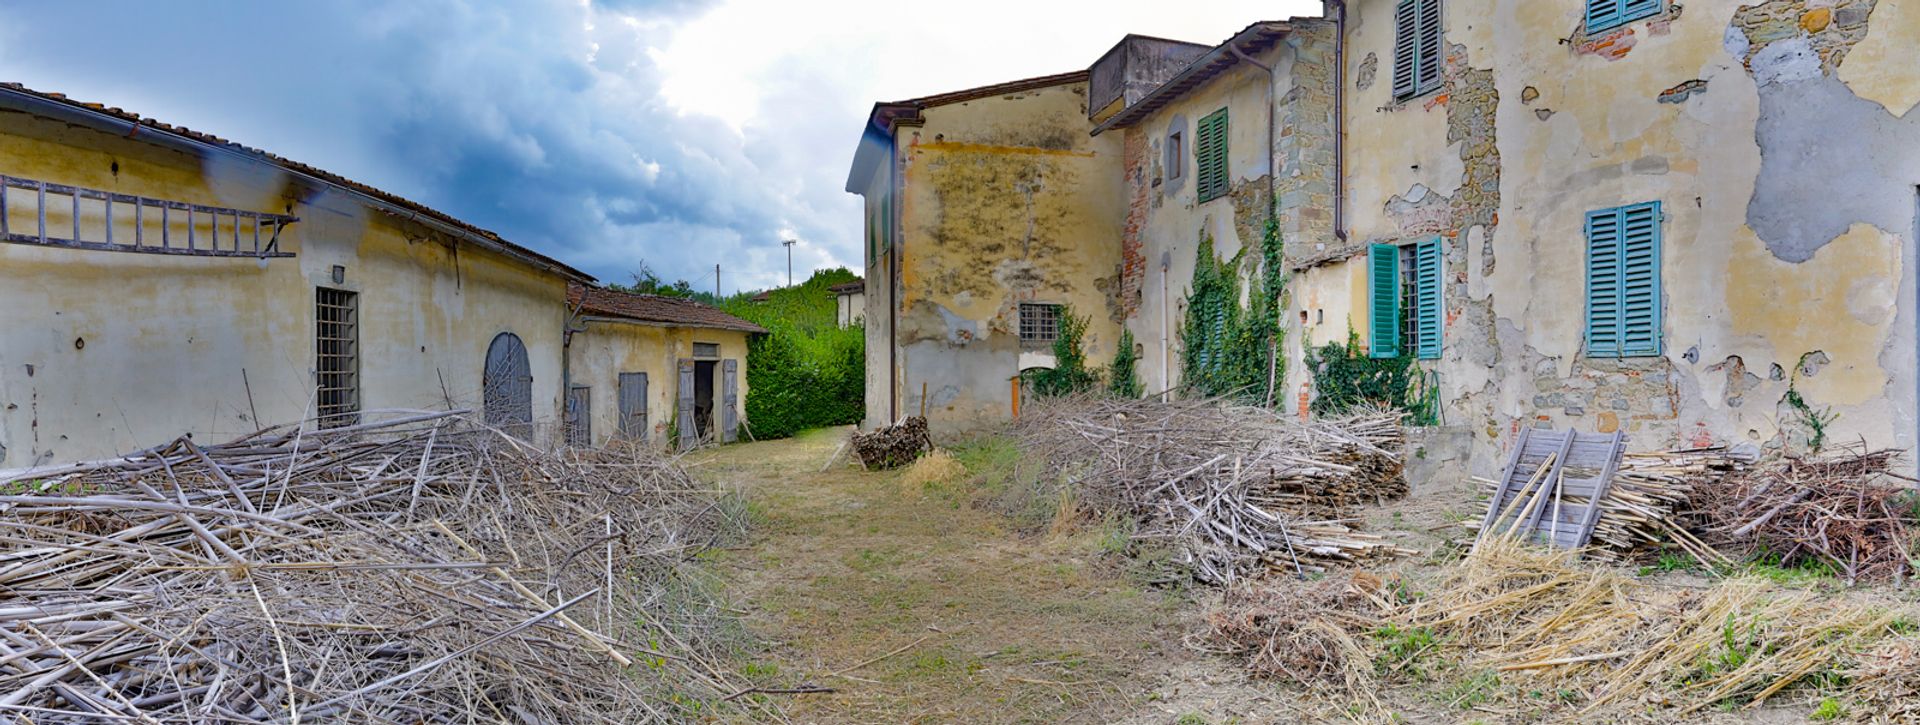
{"points": [[703, 397]]}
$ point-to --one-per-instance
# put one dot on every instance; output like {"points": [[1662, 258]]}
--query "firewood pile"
{"points": [[893, 446], [1845, 508], [421, 568], [1236, 490]]}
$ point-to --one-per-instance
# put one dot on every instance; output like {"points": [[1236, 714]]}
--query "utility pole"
{"points": [[789, 245], [716, 283]]}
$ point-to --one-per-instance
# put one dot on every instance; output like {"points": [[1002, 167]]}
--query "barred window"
{"points": [[336, 345], [1039, 322]]}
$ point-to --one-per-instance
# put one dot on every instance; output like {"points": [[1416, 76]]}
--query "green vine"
{"points": [[1121, 380], [1070, 373], [1225, 349], [1816, 421], [1345, 378]]}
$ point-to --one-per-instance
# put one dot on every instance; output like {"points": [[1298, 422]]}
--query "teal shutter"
{"points": [[1427, 264], [1384, 300], [1608, 14], [1405, 40], [1640, 279], [1427, 62], [1603, 283], [1623, 281]]}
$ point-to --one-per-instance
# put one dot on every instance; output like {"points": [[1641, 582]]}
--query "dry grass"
{"points": [[933, 469], [1887, 681], [1305, 633]]}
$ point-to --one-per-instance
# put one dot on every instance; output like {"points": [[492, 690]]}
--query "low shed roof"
{"points": [[654, 309]]}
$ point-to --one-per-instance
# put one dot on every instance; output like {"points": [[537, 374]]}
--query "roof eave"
{"points": [[1196, 74]]}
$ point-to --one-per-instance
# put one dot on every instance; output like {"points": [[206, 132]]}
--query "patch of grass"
{"points": [[1669, 561], [1771, 567], [1192, 718], [1473, 691]]}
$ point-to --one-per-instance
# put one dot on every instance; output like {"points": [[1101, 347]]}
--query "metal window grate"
{"points": [[706, 350], [1039, 322], [336, 345], [580, 416]]}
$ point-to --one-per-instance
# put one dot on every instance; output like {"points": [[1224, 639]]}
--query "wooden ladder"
{"points": [[1551, 488]]}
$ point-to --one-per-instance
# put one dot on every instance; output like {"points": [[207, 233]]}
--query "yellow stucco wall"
{"points": [[606, 349], [105, 352], [1784, 167], [1004, 200]]}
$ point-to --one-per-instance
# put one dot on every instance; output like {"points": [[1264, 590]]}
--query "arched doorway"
{"points": [[507, 387]]}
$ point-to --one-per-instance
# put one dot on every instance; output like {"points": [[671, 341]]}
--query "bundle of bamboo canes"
{"points": [[1235, 489], [417, 568]]}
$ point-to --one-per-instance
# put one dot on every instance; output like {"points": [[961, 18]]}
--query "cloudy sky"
{"points": [[683, 133]]}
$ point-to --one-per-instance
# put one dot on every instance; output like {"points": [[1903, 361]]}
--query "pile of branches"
{"points": [[1234, 489], [1845, 508], [421, 568], [1308, 633], [893, 446]]}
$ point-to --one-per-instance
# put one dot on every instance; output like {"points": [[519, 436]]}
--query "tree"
{"points": [[645, 282]]}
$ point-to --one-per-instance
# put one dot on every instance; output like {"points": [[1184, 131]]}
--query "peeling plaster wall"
{"points": [[107, 352], [1780, 139], [1004, 200]]}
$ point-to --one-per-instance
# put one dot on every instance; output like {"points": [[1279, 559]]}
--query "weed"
{"points": [[1192, 718], [1404, 648], [1829, 709]]}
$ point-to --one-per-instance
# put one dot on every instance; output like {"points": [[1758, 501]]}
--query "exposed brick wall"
{"points": [[1133, 260]]}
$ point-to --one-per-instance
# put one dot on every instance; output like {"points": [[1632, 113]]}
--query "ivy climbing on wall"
{"points": [[1225, 349], [1345, 378], [1122, 381]]}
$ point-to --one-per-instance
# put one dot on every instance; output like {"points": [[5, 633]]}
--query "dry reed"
{"points": [[419, 568]]}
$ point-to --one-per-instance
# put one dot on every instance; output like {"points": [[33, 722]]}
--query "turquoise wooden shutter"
{"points": [[1602, 14], [1405, 41], [1603, 283], [1640, 279], [1427, 264], [1427, 59], [1608, 14], [1384, 301]]}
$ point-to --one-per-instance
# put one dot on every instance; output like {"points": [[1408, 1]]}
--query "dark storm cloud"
{"points": [[540, 120]]}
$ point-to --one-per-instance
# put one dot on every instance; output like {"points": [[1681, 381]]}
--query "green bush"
{"points": [[1069, 374], [807, 372]]}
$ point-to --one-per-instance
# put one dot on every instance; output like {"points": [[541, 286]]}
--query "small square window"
{"points": [[1039, 322], [1176, 155]]}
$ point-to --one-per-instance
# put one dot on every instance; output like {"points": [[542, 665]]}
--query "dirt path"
{"points": [[918, 607]]}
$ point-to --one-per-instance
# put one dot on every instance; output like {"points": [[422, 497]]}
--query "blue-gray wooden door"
{"points": [[689, 434], [729, 401], [507, 387], [633, 405], [580, 416]]}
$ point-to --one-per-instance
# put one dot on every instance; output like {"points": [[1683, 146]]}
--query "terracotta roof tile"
{"points": [[656, 309]]}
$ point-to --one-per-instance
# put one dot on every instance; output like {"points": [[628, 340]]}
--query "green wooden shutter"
{"points": [[1427, 266], [1384, 300], [1210, 156], [1640, 279], [1405, 40], [1603, 283]]}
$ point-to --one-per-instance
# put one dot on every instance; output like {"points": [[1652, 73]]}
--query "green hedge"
{"points": [[808, 372]]}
